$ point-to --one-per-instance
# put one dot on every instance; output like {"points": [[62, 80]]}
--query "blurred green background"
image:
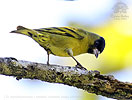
{"points": [[111, 19]]}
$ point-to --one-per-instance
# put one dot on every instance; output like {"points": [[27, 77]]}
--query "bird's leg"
{"points": [[48, 57], [70, 53]]}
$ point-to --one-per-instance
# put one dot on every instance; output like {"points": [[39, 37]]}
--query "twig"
{"points": [[90, 81]]}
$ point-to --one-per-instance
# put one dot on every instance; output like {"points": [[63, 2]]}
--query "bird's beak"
{"points": [[96, 52]]}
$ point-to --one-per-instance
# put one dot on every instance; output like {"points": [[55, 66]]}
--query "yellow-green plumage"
{"points": [[59, 40]]}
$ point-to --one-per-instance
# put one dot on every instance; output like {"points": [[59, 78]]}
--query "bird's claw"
{"points": [[80, 66], [11, 58]]}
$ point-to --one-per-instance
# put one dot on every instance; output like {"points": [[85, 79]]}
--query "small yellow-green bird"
{"points": [[65, 41]]}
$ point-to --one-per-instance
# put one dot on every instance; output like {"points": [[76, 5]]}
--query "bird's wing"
{"points": [[64, 31]]}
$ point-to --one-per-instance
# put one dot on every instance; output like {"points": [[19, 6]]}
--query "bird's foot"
{"points": [[11, 58], [80, 66]]}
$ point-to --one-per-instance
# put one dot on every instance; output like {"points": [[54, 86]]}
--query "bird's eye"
{"points": [[96, 43]]}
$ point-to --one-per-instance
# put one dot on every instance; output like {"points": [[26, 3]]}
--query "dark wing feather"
{"points": [[64, 31]]}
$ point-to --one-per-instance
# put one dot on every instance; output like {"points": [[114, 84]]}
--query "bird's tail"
{"points": [[25, 31], [38, 37]]}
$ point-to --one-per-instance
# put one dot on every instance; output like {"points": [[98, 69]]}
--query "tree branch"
{"points": [[90, 81]]}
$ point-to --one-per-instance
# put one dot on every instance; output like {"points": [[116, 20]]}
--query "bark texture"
{"points": [[90, 81]]}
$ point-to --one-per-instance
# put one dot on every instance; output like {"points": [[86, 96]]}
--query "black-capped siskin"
{"points": [[65, 41]]}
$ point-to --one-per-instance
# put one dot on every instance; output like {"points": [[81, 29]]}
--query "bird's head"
{"points": [[97, 47]]}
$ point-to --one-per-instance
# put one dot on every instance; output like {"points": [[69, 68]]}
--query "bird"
{"points": [[65, 41]]}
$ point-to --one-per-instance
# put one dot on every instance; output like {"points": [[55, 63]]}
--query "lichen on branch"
{"points": [[90, 81]]}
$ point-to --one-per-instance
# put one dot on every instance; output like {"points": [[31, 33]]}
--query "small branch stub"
{"points": [[90, 81]]}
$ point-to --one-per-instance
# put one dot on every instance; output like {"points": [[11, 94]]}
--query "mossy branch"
{"points": [[90, 81]]}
